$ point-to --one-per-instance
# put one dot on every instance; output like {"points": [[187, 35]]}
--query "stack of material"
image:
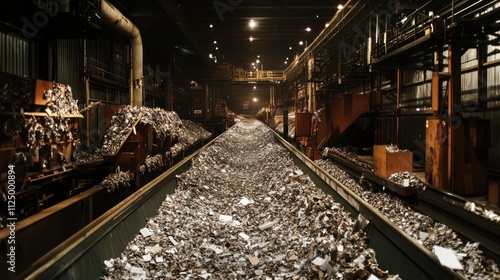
{"points": [[422, 228], [407, 179], [191, 134], [164, 123], [244, 210]]}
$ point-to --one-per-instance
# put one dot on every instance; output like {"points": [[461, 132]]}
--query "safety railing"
{"points": [[259, 76]]}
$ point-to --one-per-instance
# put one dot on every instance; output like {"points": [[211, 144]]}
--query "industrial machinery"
{"points": [[39, 138]]}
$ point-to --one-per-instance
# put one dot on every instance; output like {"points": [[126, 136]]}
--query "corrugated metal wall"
{"points": [[14, 55], [69, 67], [469, 79], [416, 91], [386, 131]]}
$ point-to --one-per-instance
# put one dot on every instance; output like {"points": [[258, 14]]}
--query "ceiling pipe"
{"points": [[119, 22]]}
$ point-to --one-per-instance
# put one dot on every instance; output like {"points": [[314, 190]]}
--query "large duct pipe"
{"points": [[115, 18]]}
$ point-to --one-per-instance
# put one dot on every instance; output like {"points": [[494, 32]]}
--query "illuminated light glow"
{"points": [[255, 99], [286, 62], [210, 55], [251, 38], [340, 6], [254, 87], [327, 24], [216, 48], [253, 63], [252, 23], [289, 48], [215, 42], [257, 61], [308, 29], [301, 43], [287, 58], [258, 55], [211, 26]]}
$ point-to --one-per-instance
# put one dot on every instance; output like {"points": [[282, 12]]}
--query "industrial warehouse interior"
{"points": [[231, 139]]}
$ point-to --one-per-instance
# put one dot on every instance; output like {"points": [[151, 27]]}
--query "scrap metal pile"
{"points": [[244, 210], [116, 180], [190, 135], [407, 179], [164, 123], [426, 231], [36, 131]]}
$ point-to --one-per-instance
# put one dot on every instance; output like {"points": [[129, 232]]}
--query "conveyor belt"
{"points": [[441, 206], [107, 236]]}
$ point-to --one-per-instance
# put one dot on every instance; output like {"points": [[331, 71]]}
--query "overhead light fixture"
{"points": [[210, 55], [308, 29], [258, 55], [253, 63], [289, 48], [251, 39], [216, 48], [301, 43], [254, 87], [215, 42], [327, 24], [255, 99], [257, 61], [211, 26], [287, 58], [286, 62], [340, 6], [252, 23]]}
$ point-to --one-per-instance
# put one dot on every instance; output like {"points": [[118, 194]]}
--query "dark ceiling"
{"points": [[183, 26]]}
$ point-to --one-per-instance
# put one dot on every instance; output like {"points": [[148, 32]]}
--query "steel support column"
{"points": [[455, 122], [169, 98], [482, 77], [399, 87], [206, 105]]}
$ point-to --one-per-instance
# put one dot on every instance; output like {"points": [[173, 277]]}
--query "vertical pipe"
{"points": [[369, 42], [117, 20], [169, 98], [87, 114], [399, 85], [482, 76], [206, 109], [339, 68]]}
